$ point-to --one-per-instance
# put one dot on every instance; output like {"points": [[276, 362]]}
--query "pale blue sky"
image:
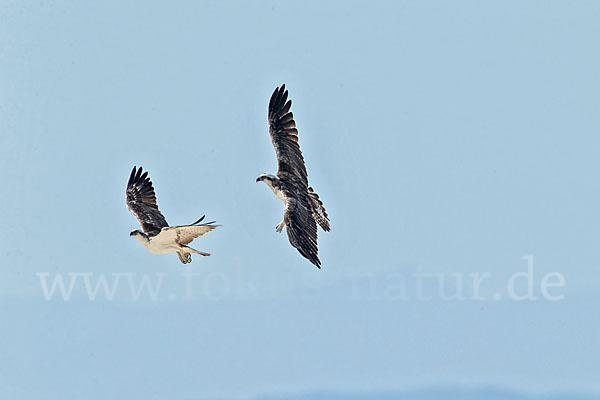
{"points": [[453, 136]]}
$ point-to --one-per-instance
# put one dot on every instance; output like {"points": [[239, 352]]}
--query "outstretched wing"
{"points": [[141, 201], [284, 135], [184, 234], [301, 226]]}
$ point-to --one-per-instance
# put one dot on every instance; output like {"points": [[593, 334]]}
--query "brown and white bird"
{"points": [[157, 236], [303, 209]]}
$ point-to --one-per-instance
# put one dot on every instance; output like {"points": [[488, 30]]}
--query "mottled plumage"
{"points": [[303, 209], [141, 201], [284, 136]]}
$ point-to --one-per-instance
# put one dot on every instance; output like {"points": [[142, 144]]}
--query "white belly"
{"points": [[279, 194], [158, 245]]}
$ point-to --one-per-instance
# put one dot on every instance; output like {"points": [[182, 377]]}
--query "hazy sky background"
{"points": [[455, 137]]}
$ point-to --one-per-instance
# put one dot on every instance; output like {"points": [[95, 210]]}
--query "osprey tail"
{"points": [[318, 210]]}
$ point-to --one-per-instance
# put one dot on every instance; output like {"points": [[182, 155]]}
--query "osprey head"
{"points": [[140, 236], [266, 177]]}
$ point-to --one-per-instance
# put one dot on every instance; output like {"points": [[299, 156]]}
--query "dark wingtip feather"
{"points": [[278, 97], [131, 176], [197, 222], [310, 255], [273, 97]]}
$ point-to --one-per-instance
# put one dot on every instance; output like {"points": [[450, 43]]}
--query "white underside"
{"points": [[277, 192], [160, 244], [281, 197]]}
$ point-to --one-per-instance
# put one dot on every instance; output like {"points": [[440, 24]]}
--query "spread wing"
{"points": [[141, 201], [184, 234], [300, 225], [284, 135]]}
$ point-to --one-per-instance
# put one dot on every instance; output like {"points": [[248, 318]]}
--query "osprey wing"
{"points": [[184, 234], [301, 226], [141, 201], [284, 135]]}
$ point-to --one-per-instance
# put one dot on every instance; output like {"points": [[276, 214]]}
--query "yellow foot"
{"points": [[279, 227]]}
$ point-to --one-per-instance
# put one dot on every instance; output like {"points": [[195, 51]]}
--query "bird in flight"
{"points": [[157, 236], [303, 210]]}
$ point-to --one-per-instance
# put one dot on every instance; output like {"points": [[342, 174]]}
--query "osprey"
{"points": [[157, 236], [303, 209]]}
